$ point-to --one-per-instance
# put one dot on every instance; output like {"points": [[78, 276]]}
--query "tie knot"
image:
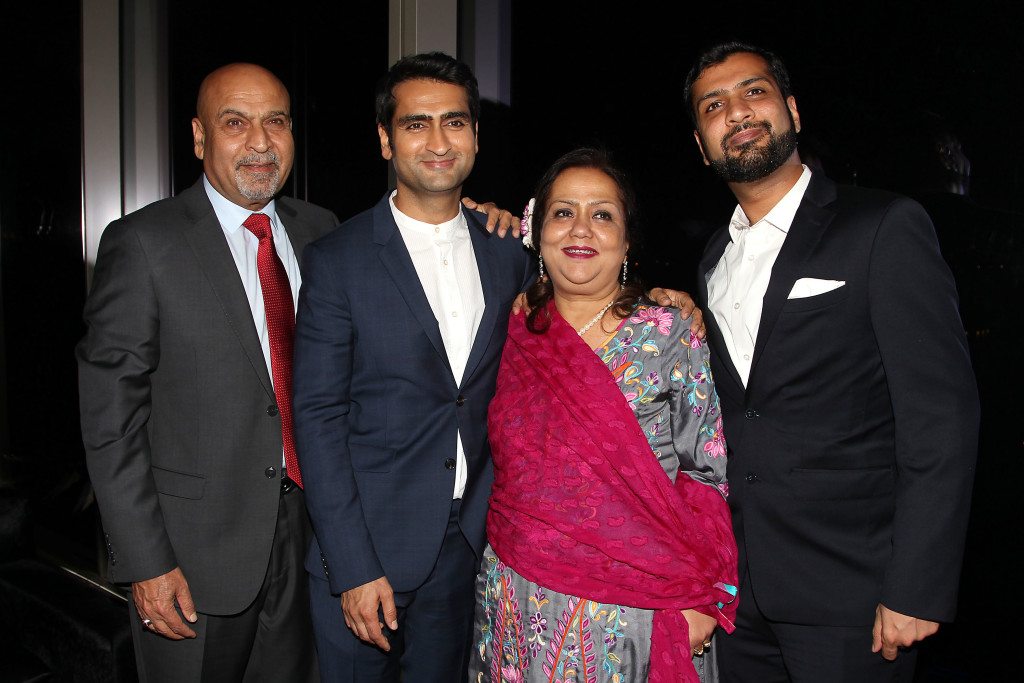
{"points": [[258, 224]]}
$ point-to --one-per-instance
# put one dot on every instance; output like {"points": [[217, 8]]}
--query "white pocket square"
{"points": [[811, 286]]}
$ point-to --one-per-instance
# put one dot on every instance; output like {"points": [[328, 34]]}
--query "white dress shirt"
{"points": [[738, 284], [243, 245], [446, 265]]}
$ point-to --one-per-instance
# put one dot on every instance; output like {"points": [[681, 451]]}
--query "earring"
{"points": [[625, 268], [541, 267]]}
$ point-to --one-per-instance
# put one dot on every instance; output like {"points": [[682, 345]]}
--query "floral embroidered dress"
{"points": [[665, 376]]}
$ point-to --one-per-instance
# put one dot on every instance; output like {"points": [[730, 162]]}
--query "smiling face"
{"points": [[583, 234], [745, 129], [243, 133], [433, 142]]}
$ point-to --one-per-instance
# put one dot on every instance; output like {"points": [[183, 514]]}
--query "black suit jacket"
{"points": [[377, 406], [852, 447], [177, 405]]}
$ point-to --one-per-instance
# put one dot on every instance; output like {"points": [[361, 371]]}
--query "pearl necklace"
{"points": [[593, 321]]}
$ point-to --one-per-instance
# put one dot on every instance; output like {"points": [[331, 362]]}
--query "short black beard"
{"points": [[753, 164]]}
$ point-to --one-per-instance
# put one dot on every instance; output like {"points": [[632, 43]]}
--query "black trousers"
{"points": [[765, 651], [272, 640], [435, 621]]}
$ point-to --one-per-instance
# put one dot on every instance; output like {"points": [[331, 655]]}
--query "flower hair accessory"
{"points": [[526, 224]]}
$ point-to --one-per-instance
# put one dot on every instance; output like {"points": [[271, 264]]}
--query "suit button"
{"points": [[751, 414], [272, 410], [460, 400], [751, 478], [270, 472], [449, 464]]}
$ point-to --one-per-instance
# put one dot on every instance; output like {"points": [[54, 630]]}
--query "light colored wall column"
{"points": [[144, 104], [422, 26], [125, 134], [101, 122]]}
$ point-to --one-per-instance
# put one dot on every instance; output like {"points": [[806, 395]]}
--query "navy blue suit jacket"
{"points": [[377, 406]]}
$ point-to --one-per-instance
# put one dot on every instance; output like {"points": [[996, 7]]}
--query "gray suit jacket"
{"points": [[179, 418]]}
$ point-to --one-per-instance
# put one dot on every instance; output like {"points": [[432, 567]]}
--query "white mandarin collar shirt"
{"points": [[446, 265], [738, 284]]}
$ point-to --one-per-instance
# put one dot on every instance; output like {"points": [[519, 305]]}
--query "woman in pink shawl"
{"points": [[611, 553]]}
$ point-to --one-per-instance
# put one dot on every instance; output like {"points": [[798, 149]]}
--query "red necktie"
{"points": [[280, 312]]}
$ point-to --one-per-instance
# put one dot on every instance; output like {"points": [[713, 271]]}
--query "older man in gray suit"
{"points": [[185, 397]]}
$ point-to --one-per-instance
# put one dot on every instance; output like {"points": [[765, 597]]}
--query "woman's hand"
{"points": [[701, 628]]}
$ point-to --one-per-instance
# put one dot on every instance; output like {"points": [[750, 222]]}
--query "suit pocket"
{"points": [[178, 484], [811, 303], [863, 484], [370, 458]]}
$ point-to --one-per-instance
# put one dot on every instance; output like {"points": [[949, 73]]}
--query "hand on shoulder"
{"points": [[686, 305]]}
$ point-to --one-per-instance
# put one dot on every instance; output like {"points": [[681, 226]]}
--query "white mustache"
{"points": [[256, 158]]}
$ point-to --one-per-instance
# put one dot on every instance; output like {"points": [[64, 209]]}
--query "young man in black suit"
{"points": [[850, 406]]}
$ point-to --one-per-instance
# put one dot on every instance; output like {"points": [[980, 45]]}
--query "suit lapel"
{"points": [[712, 254], [394, 256], [299, 232], [488, 268], [206, 239], [809, 223]]}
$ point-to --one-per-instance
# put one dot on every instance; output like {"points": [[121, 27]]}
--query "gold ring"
{"points": [[699, 651], [707, 643]]}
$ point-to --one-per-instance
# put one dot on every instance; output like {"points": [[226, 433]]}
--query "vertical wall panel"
{"points": [[101, 121]]}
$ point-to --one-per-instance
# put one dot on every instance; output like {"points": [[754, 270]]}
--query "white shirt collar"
{"points": [[443, 231], [231, 215], [782, 214]]}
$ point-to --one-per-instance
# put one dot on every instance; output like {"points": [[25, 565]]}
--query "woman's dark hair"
{"points": [[718, 54], [541, 292], [433, 66]]}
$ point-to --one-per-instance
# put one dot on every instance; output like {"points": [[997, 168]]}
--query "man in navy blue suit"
{"points": [[401, 322]]}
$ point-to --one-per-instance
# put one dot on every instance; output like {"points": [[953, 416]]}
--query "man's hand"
{"points": [[360, 607], [496, 218], [519, 304], [894, 630], [154, 600], [686, 305], [701, 628]]}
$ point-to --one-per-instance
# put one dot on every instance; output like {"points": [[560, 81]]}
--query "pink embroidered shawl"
{"points": [[581, 505]]}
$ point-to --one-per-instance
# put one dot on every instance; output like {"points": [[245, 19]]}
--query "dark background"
{"points": [[877, 84]]}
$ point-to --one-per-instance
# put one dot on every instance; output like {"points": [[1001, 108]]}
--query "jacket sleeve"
{"points": [[321, 383], [914, 316], [529, 271], [115, 359]]}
